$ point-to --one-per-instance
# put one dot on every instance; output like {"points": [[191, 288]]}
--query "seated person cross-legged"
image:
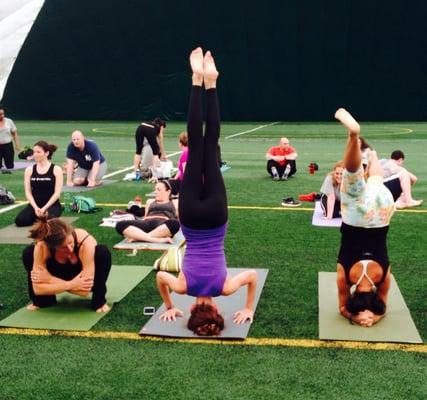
{"points": [[281, 162], [363, 269], [160, 222]]}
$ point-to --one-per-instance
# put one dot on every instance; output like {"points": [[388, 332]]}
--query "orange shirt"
{"points": [[278, 151]]}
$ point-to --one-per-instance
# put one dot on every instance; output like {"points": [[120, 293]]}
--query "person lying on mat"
{"points": [[363, 268], [65, 259], [330, 199], [43, 184], [203, 217], [91, 164], [160, 222]]}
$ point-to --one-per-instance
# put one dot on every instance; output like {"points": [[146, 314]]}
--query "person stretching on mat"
{"points": [[43, 184], [160, 222], [330, 199], [65, 259], [363, 269], [203, 217]]}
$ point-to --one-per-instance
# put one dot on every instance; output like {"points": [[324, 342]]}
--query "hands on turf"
{"points": [[172, 314], [241, 316]]}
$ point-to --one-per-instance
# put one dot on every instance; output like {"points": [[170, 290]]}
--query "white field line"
{"points": [[11, 207], [251, 130]]}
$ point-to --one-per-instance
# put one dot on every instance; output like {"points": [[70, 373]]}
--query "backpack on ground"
{"points": [[83, 204], [6, 197]]}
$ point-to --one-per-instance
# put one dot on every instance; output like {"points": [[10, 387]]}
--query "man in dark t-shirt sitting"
{"points": [[91, 164]]}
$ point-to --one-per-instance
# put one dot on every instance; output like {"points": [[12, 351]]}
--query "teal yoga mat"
{"points": [[73, 313]]}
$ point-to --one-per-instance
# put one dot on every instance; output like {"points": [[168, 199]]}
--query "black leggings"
{"points": [[27, 216], [7, 154], [142, 132], [202, 197], [67, 272]]}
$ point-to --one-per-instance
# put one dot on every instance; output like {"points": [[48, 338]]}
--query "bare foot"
{"points": [[104, 308], [32, 307], [196, 62], [210, 73], [167, 240], [340, 113]]}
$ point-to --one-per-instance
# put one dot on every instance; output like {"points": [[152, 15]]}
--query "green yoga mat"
{"points": [[396, 326], [73, 313], [13, 234], [125, 245]]}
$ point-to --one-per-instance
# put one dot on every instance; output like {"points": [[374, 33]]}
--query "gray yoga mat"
{"points": [[13, 234], [78, 189], [125, 245], [319, 220], [227, 306], [20, 165], [396, 326]]}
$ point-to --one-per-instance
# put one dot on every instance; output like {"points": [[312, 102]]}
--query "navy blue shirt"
{"points": [[87, 157]]}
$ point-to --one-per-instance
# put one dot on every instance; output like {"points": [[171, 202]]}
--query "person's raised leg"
{"points": [[214, 187], [352, 155], [191, 185]]}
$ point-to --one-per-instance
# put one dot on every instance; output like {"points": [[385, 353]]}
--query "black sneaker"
{"points": [[6, 171], [290, 202]]}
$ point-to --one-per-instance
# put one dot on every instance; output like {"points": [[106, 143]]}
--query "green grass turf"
{"points": [[283, 241]]}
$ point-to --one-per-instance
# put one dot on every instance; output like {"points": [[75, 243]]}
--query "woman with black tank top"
{"points": [[160, 222], [43, 184], [64, 259]]}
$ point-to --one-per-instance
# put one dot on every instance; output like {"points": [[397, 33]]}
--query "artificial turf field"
{"points": [[282, 358]]}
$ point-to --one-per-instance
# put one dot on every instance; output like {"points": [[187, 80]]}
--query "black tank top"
{"points": [[43, 185], [162, 209]]}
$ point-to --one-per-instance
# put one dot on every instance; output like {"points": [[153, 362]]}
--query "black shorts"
{"points": [[394, 186], [149, 224]]}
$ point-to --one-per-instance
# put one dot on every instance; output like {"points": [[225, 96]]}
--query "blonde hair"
{"points": [[339, 164]]}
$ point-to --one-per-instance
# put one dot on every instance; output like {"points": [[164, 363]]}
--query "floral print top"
{"points": [[366, 204]]}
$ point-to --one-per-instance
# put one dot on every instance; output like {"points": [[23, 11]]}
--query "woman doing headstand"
{"points": [[203, 217], [363, 269]]}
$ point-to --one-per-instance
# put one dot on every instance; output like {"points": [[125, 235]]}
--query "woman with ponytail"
{"points": [[43, 185], [65, 259]]}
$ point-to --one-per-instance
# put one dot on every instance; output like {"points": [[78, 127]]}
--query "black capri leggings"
{"points": [[7, 154], [148, 225], [67, 272], [27, 216], [202, 197], [150, 133]]}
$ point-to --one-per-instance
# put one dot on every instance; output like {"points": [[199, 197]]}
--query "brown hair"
{"points": [[51, 148], [183, 138], [364, 144], [53, 232], [205, 321]]}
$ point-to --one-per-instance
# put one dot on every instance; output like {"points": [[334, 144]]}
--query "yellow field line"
{"points": [[271, 342], [264, 208]]}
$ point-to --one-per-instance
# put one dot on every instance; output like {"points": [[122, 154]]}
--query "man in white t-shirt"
{"points": [[8, 133], [399, 180]]}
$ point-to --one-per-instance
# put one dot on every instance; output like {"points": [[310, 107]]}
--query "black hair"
{"points": [[397, 155], [159, 121], [362, 301]]}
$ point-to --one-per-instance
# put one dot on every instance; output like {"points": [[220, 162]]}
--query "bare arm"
{"points": [[291, 156], [70, 169], [27, 187], [343, 292], [232, 284], [330, 205], [160, 141], [91, 178], [147, 206], [166, 281], [15, 138]]}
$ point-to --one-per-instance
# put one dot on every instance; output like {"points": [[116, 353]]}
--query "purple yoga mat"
{"points": [[20, 165]]}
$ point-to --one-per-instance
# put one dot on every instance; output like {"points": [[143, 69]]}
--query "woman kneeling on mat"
{"points": [[43, 185], [363, 269], [160, 222], [330, 190], [203, 216], [65, 259]]}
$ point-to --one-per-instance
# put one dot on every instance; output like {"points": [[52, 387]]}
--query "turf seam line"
{"points": [[271, 342]]}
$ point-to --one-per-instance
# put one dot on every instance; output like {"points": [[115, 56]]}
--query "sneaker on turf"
{"points": [[290, 202]]}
